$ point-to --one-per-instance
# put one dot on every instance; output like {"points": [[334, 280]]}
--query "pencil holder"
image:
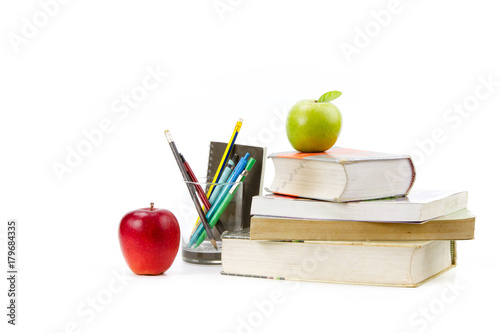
{"points": [[230, 219]]}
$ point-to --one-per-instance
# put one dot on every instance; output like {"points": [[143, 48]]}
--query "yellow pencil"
{"points": [[223, 162]]}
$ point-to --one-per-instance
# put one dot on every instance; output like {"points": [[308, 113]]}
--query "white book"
{"points": [[405, 264], [342, 174], [417, 207]]}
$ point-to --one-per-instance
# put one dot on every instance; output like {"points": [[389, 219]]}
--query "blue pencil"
{"points": [[236, 172]]}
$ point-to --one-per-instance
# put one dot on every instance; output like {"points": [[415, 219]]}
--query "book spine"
{"points": [[413, 175], [453, 250]]}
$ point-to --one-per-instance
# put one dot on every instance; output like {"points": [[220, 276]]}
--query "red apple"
{"points": [[149, 239]]}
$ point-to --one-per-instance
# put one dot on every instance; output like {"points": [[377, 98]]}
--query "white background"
{"points": [[253, 61]]}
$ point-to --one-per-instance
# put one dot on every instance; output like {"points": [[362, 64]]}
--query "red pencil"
{"points": [[201, 193]]}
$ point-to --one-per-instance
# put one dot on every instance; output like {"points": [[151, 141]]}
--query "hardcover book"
{"points": [[342, 174]]}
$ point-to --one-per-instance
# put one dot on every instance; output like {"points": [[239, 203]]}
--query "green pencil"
{"points": [[227, 200]]}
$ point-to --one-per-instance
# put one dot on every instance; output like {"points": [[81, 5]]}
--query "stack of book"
{"points": [[347, 216]]}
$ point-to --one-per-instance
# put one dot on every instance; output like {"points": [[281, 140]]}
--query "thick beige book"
{"points": [[455, 226], [402, 264]]}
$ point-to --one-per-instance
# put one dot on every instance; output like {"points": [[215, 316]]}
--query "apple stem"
{"points": [[152, 204]]}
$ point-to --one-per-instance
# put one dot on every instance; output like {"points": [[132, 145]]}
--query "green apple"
{"points": [[314, 125]]}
